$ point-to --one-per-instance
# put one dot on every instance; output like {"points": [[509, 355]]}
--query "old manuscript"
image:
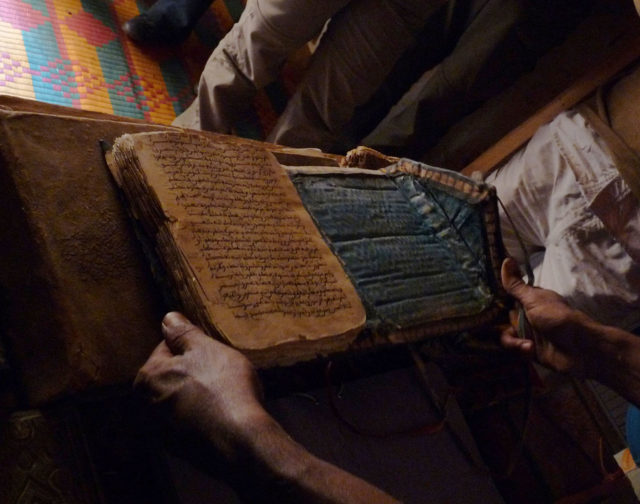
{"points": [[286, 263], [241, 253]]}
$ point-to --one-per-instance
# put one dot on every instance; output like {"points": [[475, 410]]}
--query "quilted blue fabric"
{"points": [[415, 252]]}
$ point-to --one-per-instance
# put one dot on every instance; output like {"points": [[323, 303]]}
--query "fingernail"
{"points": [[173, 319], [526, 345], [511, 266], [509, 262]]}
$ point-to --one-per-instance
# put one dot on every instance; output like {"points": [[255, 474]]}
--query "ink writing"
{"points": [[259, 254]]}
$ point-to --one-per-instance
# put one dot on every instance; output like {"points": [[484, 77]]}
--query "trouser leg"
{"points": [[503, 40], [250, 56], [357, 52], [442, 94]]}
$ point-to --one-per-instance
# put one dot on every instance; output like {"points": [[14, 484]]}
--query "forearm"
{"points": [[613, 357], [210, 392], [277, 469]]}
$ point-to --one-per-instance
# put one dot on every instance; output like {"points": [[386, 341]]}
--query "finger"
{"points": [[512, 280], [179, 332], [510, 341], [160, 354]]}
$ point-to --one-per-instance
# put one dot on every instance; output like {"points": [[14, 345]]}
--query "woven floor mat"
{"points": [[74, 53]]}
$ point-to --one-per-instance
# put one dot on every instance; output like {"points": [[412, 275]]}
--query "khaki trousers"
{"points": [[363, 41]]}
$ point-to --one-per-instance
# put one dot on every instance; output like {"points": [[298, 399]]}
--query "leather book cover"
{"points": [[80, 307]]}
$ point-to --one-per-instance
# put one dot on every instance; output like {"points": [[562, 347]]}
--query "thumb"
{"points": [[512, 280], [178, 332]]}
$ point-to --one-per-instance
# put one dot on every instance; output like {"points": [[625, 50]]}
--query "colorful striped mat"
{"points": [[74, 53]]}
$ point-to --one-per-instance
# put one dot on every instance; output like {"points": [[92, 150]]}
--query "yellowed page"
{"points": [[266, 275]]}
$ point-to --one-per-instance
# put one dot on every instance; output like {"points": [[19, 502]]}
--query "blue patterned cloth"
{"points": [[415, 252], [633, 432]]}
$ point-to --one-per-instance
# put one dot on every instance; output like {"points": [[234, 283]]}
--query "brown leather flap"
{"points": [[80, 308]]}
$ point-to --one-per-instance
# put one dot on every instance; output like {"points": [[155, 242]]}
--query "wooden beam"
{"points": [[625, 52]]}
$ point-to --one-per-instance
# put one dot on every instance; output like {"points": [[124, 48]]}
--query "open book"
{"points": [[288, 263]]}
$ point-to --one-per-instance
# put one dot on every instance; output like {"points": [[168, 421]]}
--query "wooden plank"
{"points": [[625, 52]]}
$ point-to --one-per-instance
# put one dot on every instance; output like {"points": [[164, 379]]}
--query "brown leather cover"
{"points": [[79, 305], [80, 308]]}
